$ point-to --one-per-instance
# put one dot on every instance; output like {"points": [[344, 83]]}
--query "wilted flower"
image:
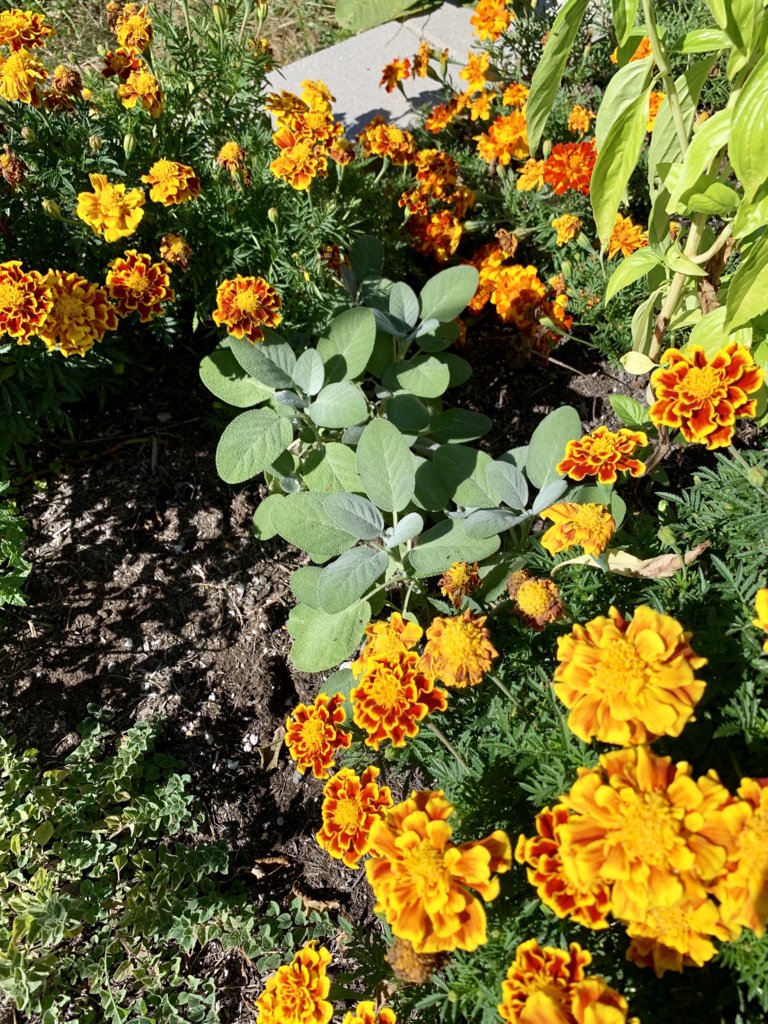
{"points": [[232, 158], [411, 967], [314, 734], [536, 601], [245, 305], [459, 581], [12, 167], [175, 250]]}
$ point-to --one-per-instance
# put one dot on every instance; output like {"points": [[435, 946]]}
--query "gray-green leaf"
{"points": [[251, 443], [355, 514], [548, 442], [322, 641], [224, 376], [349, 344], [309, 372], [446, 294], [339, 405], [344, 581], [385, 465], [445, 544]]}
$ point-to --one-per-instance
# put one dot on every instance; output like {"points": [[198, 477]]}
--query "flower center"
{"points": [[533, 598], [602, 449], [346, 813], [384, 688], [12, 297], [424, 867], [248, 302], [313, 733], [753, 844], [67, 307], [621, 669], [649, 831], [702, 383], [137, 282]]}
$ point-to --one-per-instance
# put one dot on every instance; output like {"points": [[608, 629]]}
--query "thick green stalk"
{"points": [[660, 56]]}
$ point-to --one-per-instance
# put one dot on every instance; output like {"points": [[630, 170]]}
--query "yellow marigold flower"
{"points": [[138, 285], [142, 87], [628, 683], [351, 804], [393, 695], [567, 227], [646, 827], [284, 104], [12, 168], [475, 71], [587, 905], [588, 526], [462, 199], [704, 397], [386, 641], [547, 985], [80, 316], [479, 106], [297, 993], [743, 891], [422, 880], [175, 250], [643, 50], [437, 234], [122, 62], [23, 29], [531, 177], [420, 62], [518, 295], [20, 75], [761, 603], [300, 159], [654, 104], [569, 167], [396, 71], [459, 649], [505, 140], [314, 734], [459, 581], [172, 183], [603, 454], [386, 140], [25, 301], [671, 938], [366, 1013], [626, 237], [110, 210], [317, 95], [133, 27], [515, 95], [580, 120], [231, 157], [490, 19], [536, 601], [244, 305]]}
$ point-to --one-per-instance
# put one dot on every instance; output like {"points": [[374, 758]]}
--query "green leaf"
{"points": [[424, 375], [355, 514], [624, 13], [631, 269], [404, 303], [710, 333], [224, 376], [431, 492], [263, 526], [385, 466], [446, 294], [615, 163], [710, 196], [459, 425], [321, 641], [464, 472], [643, 320], [751, 217], [707, 141], [407, 413], [459, 369], [341, 681], [510, 483], [332, 468], [489, 522], [408, 527], [304, 583], [548, 442], [250, 444], [702, 40], [549, 71], [339, 405], [621, 92], [748, 146], [344, 581], [748, 290], [665, 144], [631, 413], [349, 344], [309, 372], [445, 544], [366, 257], [271, 364], [678, 262], [43, 833], [301, 519]]}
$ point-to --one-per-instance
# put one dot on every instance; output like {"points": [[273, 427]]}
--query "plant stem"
{"points": [[660, 56], [678, 285], [507, 692], [447, 744]]}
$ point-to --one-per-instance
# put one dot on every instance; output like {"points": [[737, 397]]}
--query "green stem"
{"points": [[660, 57], [678, 285], [447, 744], [504, 689]]}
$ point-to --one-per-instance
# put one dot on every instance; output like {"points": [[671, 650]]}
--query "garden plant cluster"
{"points": [[539, 733]]}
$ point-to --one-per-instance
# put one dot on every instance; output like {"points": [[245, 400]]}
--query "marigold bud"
{"points": [[546, 148], [129, 145], [52, 209], [219, 15], [273, 214], [666, 536], [28, 135], [757, 476], [95, 142]]}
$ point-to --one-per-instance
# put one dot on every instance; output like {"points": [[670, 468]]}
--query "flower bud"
{"points": [[546, 148], [757, 476], [95, 142], [219, 15], [28, 135], [52, 209], [566, 267], [273, 214], [129, 145], [666, 536]]}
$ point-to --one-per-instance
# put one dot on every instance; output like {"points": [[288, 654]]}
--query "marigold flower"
{"points": [[394, 72], [386, 641], [462, 199], [366, 1013], [488, 260], [172, 183], [475, 70], [420, 62], [515, 95], [244, 305], [110, 210], [490, 19], [80, 316], [569, 167], [518, 295], [175, 250], [654, 104], [588, 526], [65, 84], [743, 891], [603, 454], [459, 581], [317, 95], [314, 734], [704, 397], [580, 120], [646, 827], [567, 227], [393, 695], [25, 301], [479, 106], [626, 237], [386, 140], [437, 234], [122, 62], [23, 29], [422, 880], [587, 905], [442, 115], [459, 649], [505, 140], [670, 938], [284, 105], [139, 286], [547, 984], [531, 177], [20, 75], [231, 157], [297, 993], [133, 27], [436, 172], [761, 602], [536, 601], [298, 163], [12, 167], [351, 804], [142, 87], [643, 50]]}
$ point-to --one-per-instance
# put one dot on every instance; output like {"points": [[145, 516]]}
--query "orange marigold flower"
{"points": [[670, 938], [603, 454], [626, 237], [20, 76], [244, 305], [422, 880], [505, 140], [646, 827], [743, 891], [536, 601], [459, 581], [479, 106], [547, 985], [366, 1013], [299, 162], [437, 234], [386, 641], [138, 285], [23, 29], [704, 397], [351, 804], [393, 695], [25, 301], [761, 606], [175, 250], [231, 157], [297, 993], [587, 905], [459, 649], [490, 19], [396, 71], [628, 683], [110, 210], [80, 316], [462, 199], [172, 183], [643, 50], [567, 227], [314, 734], [580, 120], [515, 95], [121, 62], [386, 140], [488, 260], [531, 177], [518, 295], [588, 526], [569, 167], [654, 104], [142, 87], [475, 70], [133, 27], [436, 172], [442, 115], [420, 62]]}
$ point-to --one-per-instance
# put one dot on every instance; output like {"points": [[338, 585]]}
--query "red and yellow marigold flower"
{"points": [[20, 76], [387, 140], [628, 683], [654, 105], [420, 61], [569, 166], [761, 607], [505, 140], [80, 316], [535, 601], [122, 62], [436, 234], [475, 71], [297, 993], [133, 27], [245, 305], [422, 881], [110, 210], [23, 29], [531, 177], [567, 226], [442, 115], [588, 526], [515, 95], [396, 71], [366, 1013], [171, 183], [490, 19], [387, 641], [351, 804], [459, 581], [394, 694], [603, 454], [142, 87], [519, 295], [25, 301], [138, 285], [580, 120], [314, 734], [175, 250], [299, 162], [626, 237], [588, 905], [678, 936], [459, 650], [743, 891], [704, 397], [436, 172]]}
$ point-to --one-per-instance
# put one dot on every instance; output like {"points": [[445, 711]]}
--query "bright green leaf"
{"points": [[748, 146], [748, 290], [631, 269], [615, 163], [621, 92]]}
